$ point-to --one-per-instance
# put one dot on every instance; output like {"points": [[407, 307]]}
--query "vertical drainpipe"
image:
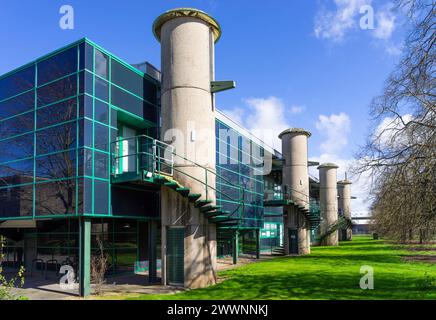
{"points": [[328, 198], [187, 39]]}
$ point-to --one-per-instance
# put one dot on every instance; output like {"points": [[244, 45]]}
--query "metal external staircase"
{"points": [[145, 160], [285, 198]]}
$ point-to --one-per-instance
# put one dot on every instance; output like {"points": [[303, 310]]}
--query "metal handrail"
{"points": [[158, 161]]}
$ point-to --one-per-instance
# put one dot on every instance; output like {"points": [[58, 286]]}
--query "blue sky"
{"points": [[298, 63]]}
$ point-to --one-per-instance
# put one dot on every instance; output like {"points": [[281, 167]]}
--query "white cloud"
{"points": [[264, 117], [385, 26], [387, 132], [334, 24], [335, 129], [297, 109]]}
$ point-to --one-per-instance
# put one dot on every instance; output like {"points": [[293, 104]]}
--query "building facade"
{"points": [[96, 154]]}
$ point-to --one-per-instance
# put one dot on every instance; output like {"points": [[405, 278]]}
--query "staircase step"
{"points": [[183, 191], [201, 203], [209, 208], [160, 179], [171, 184], [219, 219], [211, 214], [194, 196]]}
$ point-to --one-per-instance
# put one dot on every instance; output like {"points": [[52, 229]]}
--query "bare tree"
{"points": [[400, 153]]}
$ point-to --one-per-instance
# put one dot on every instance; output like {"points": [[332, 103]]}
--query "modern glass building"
{"points": [[84, 168]]}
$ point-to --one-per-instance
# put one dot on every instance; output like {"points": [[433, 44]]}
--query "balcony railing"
{"points": [[134, 156]]}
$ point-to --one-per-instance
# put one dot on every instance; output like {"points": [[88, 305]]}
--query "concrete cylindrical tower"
{"points": [[187, 39], [344, 205], [328, 198], [295, 181]]}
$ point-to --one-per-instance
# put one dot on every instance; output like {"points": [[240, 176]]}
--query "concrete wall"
{"points": [[296, 180], [328, 198], [188, 123], [344, 204]]}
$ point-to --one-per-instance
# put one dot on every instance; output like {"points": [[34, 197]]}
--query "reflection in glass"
{"points": [[57, 66], [16, 201], [18, 82], [61, 137], [55, 198]]}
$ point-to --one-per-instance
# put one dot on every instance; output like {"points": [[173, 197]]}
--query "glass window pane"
{"points": [[150, 91], [19, 104], [85, 109], [101, 165], [56, 166], [16, 148], [85, 133], [85, 196], [101, 64], [56, 113], [101, 136], [17, 125], [101, 112], [16, 201], [57, 66], [126, 101], [101, 89], [58, 90], [55, 198], [85, 162], [126, 78], [18, 82], [17, 172], [101, 198], [86, 82], [57, 138]]}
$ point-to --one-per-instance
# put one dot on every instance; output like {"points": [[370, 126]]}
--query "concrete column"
{"points": [[295, 181], [187, 39], [30, 251], [85, 256], [328, 198], [344, 204]]}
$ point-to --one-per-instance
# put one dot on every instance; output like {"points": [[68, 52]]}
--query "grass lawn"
{"points": [[327, 273]]}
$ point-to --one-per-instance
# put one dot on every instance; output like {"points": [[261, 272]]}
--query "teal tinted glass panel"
{"points": [[101, 198], [127, 101], [57, 113], [61, 137], [11, 173], [101, 64], [16, 105], [16, 148], [57, 90], [55, 198], [57, 66], [101, 165], [101, 112], [17, 125], [101, 89], [16, 201], [101, 137], [56, 166], [85, 133], [18, 82], [86, 56]]}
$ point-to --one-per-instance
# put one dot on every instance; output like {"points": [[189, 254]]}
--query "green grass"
{"points": [[327, 273]]}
